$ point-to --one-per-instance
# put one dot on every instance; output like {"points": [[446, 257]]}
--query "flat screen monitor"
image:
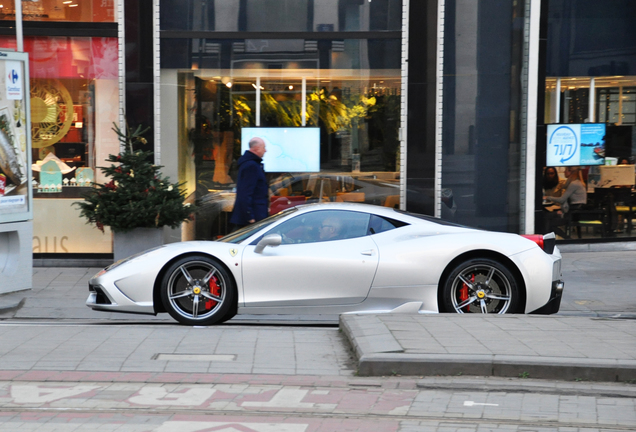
{"points": [[289, 149], [576, 144], [617, 175]]}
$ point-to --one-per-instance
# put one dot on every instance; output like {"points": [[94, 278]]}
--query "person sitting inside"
{"points": [[573, 198], [552, 184], [330, 229]]}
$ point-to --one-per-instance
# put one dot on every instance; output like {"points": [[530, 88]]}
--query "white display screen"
{"points": [[576, 144], [293, 149]]}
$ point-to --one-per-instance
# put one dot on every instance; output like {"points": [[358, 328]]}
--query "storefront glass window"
{"points": [[74, 102], [281, 85], [590, 86], [61, 10]]}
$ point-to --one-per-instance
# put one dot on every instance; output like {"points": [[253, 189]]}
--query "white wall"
{"points": [[106, 113]]}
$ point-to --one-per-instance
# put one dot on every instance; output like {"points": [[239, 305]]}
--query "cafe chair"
{"points": [[587, 217], [596, 215], [624, 205], [618, 202]]}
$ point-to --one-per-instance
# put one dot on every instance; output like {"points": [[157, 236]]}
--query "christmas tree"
{"points": [[137, 196]]}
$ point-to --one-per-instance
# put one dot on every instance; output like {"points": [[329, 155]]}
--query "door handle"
{"points": [[368, 252]]}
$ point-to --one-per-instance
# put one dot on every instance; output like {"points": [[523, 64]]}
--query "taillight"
{"points": [[545, 242], [537, 238]]}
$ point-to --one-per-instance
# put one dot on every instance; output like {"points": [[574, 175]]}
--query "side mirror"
{"points": [[272, 240]]}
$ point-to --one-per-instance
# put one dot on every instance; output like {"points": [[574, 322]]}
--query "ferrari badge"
{"points": [[233, 251]]}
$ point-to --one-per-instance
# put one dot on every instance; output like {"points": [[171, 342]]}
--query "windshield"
{"points": [[247, 231]]}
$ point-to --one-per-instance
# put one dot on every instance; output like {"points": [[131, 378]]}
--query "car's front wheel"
{"points": [[481, 285], [197, 290]]}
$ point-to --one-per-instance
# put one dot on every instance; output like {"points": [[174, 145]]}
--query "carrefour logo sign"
{"points": [[14, 80], [13, 76]]}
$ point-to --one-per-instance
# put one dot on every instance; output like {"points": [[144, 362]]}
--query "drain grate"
{"points": [[195, 357]]}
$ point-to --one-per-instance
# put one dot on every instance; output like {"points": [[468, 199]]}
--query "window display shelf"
{"points": [[67, 192]]}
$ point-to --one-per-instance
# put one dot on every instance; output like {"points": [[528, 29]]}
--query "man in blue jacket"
{"points": [[252, 196]]}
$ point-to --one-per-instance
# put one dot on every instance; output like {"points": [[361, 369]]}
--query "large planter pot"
{"points": [[138, 240]]}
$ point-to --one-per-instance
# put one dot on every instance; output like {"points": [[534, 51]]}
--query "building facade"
{"points": [[439, 107]]}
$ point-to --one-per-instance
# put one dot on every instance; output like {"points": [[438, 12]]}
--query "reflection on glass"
{"points": [[356, 114], [567, 100], [281, 15]]}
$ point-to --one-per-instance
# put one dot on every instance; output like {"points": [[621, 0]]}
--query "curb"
{"points": [[11, 305], [615, 246], [379, 340], [555, 368], [379, 354], [520, 385]]}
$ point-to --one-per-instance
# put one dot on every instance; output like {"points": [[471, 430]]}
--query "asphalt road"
{"points": [[599, 283]]}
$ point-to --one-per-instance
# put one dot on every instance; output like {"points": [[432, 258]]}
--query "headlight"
{"points": [[125, 260]]}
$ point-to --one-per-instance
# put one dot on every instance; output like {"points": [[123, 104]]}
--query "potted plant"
{"points": [[137, 201]]}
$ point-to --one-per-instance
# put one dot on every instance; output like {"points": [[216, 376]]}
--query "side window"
{"points": [[320, 226], [379, 224]]}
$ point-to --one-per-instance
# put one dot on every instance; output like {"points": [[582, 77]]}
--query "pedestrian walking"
{"points": [[251, 203]]}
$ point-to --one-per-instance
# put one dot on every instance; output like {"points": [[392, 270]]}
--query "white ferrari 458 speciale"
{"points": [[337, 258]]}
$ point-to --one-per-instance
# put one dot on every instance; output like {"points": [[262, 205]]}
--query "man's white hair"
{"points": [[256, 141]]}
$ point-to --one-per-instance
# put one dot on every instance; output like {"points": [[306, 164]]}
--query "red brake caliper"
{"points": [[215, 290], [463, 293]]}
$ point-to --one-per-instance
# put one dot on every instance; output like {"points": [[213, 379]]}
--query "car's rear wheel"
{"points": [[481, 285], [197, 290]]}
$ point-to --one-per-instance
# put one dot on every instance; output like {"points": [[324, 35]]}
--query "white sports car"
{"points": [[337, 258]]}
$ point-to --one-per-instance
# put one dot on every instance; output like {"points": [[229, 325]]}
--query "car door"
{"points": [[311, 268]]}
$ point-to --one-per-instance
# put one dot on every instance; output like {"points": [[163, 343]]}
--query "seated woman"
{"points": [[573, 198], [552, 186]]}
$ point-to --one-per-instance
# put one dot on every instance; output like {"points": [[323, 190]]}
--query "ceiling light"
{"points": [[229, 84], [291, 87], [73, 5]]}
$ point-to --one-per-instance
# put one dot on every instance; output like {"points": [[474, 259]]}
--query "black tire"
{"points": [[481, 285], [197, 290]]}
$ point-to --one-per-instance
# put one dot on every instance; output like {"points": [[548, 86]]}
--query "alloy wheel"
{"points": [[482, 288], [196, 290]]}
